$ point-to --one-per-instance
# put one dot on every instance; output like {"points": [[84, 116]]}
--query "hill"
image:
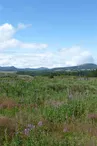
{"points": [[88, 66]]}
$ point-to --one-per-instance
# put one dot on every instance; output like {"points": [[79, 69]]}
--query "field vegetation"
{"points": [[48, 110]]}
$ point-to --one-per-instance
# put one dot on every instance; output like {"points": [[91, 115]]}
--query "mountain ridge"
{"points": [[87, 66]]}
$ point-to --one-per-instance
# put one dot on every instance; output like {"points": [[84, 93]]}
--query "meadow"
{"points": [[44, 111]]}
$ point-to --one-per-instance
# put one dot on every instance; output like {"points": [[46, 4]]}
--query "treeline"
{"points": [[87, 73]]}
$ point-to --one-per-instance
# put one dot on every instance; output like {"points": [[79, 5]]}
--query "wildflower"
{"points": [[31, 126], [40, 123], [26, 131], [70, 96], [65, 130]]}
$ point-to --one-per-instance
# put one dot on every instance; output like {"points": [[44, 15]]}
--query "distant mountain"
{"points": [[42, 68], [10, 68], [88, 66]]}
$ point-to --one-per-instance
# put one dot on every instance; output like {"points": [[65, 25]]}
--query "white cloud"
{"points": [[63, 57], [76, 56], [7, 40], [23, 26], [6, 32], [47, 59], [32, 45], [26, 60]]}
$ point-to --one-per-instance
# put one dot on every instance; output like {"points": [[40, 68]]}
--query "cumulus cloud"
{"points": [[6, 32], [83, 57], [60, 58], [75, 56], [7, 40]]}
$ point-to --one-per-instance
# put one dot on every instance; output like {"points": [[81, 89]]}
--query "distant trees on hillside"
{"points": [[51, 74]]}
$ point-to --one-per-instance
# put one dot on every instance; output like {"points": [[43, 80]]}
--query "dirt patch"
{"points": [[7, 122], [7, 126], [92, 117], [7, 103]]}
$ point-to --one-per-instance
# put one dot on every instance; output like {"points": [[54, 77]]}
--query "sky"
{"points": [[48, 33]]}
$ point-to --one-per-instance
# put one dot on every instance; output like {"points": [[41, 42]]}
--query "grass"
{"points": [[44, 111]]}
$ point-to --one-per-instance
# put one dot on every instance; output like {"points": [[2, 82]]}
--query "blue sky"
{"points": [[48, 33]]}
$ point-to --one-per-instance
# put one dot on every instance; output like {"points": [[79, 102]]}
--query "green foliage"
{"points": [[52, 73], [46, 99], [60, 114]]}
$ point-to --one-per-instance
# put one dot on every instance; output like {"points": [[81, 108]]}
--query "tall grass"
{"points": [[43, 111]]}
